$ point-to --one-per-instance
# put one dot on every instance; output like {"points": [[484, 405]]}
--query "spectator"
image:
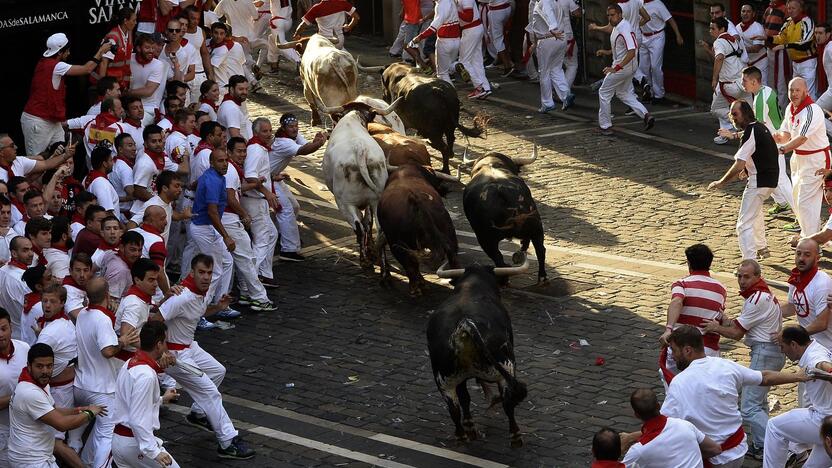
{"points": [[797, 37], [606, 449], [115, 63], [148, 77]]}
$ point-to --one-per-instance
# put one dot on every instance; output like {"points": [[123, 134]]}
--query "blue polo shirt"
{"points": [[210, 190]]}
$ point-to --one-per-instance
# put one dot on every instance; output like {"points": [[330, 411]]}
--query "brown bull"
{"points": [[399, 149]]}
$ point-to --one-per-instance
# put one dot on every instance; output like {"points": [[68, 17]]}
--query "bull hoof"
{"points": [[416, 292], [516, 441], [471, 434], [541, 280]]}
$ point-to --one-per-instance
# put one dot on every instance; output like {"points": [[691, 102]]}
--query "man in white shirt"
{"points": [[618, 79], [759, 321], [121, 175], [132, 122], [134, 308], [149, 164], [33, 416], [550, 43], [329, 16], [181, 313], [99, 185], [196, 36], [148, 77], [95, 379], [706, 393], [258, 200], [169, 188], [809, 288], [227, 56], [727, 74], [13, 353], [180, 55], [154, 248], [651, 48], [36, 279], [232, 113], [57, 254], [12, 287], [804, 132], [244, 17], [280, 25], [114, 265], [665, 441], [802, 425], [752, 35], [103, 129], [12, 165], [137, 402]]}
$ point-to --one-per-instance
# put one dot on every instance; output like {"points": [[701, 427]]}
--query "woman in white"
{"points": [[209, 96]]}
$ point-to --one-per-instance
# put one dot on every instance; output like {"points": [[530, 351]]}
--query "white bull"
{"points": [[355, 170], [392, 119]]}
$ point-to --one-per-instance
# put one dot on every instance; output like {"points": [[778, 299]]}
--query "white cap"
{"points": [[55, 43]]}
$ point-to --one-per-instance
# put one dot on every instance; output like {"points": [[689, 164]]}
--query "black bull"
{"points": [[430, 106], [499, 205], [470, 336]]}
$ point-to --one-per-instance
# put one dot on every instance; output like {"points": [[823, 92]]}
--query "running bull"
{"points": [[470, 336], [414, 220], [431, 106], [499, 205], [399, 149], [355, 170]]}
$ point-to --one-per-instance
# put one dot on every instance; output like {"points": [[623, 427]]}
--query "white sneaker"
{"points": [[720, 140]]}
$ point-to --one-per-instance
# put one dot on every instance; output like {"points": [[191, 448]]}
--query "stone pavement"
{"points": [[339, 376]]}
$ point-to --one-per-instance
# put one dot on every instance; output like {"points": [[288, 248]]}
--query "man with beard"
{"points": [[148, 77], [706, 393], [232, 113]]}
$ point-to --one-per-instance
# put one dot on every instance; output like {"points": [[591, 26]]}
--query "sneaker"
{"points": [[256, 88], [791, 227], [594, 87], [754, 452], [778, 208], [534, 79], [763, 254], [463, 73], [238, 450], [490, 65], [244, 300], [205, 325], [508, 73], [199, 421], [797, 459], [568, 102], [258, 74], [545, 109], [484, 95], [646, 93], [629, 111], [228, 314], [291, 257], [268, 283], [263, 306], [476, 93], [720, 140], [649, 122]]}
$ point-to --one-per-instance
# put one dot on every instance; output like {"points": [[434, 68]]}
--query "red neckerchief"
{"points": [[607, 463], [203, 145], [105, 119], [63, 249], [30, 300], [255, 140], [17, 203], [159, 116], [103, 245], [135, 291], [238, 169], [17, 263], [150, 229], [109, 313], [158, 158], [190, 283], [77, 218], [229, 97], [94, 174], [8, 168], [134, 122], [121, 256], [800, 280], [210, 103], [25, 376], [652, 428], [126, 161], [143, 61], [70, 281], [43, 320], [807, 101], [759, 286], [177, 128], [745, 25], [227, 43], [183, 42], [142, 358], [8, 357], [41, 258], [727, 37]]}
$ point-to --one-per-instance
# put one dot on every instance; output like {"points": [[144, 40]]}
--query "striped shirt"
{"points": [[808, 122], [703, 298], [774, 17]]}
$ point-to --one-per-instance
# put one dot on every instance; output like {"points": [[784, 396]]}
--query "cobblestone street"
{"points": [[340, 375]]}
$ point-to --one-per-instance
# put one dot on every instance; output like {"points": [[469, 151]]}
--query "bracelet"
{"points": [[617, 67], [90, 415], [96, 60], [669, 327]]}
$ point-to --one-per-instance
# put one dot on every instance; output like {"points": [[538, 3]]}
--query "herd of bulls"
{"points": [[375, 170]]}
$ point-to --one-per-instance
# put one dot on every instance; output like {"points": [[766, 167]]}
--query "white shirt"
{"points": [[9, 373], [545, 18], [153, 72], [136, 133], [145, 173], [809, 122], [227, 62], [197, 39], [94, 372], [74, 229], [133, 311], [746, 35], [676, 445], [199, 164], [231, 115], [232, 181], [707, 395], [60, 335], [827, 62], [155, 200], [331, 20], [12, 290], [115, 270], [256, 166], [21, 166], [58, 262], [106, 194], [58, 72], [760, 317], [31, 441], [91, 140], [732, 66], [659, 15], [136, 405], [623, 40], [186, 55], [27, 321], [75, 298], [812, 302], [282, 152], [241, 14], [818, 392], [121, 177], [631, 11], [177, 146], [181, 314]]}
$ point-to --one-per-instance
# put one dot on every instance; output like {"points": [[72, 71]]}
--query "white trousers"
{"points": [[751, 228], [447, 53], [64, 397], [802, 426], [209, 242], [39, 133], [126, 454], [495, 36], [783, 194], [808, 190], [470, 55], [650, 59], [618, 84], [286, 220], [777, 63], [263, 234], [279, 28], [204, 390], [808, 70], [550, 54], [262, 32], [570, 62], [97, 449], [531, 68], [721, 104], [245, 262]]}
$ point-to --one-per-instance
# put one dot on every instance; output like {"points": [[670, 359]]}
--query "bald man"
{"points": [[808, 290], [804, 132], [153, 225]]}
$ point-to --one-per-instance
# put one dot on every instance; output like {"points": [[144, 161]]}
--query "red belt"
{"points": [[499, 7], [729, 443], [62, 383], [177, 346], [808, 152], [472, 24], [727, 96], [449, 31], [123, 430], [275, 18], [764, 56], [648, 34]]}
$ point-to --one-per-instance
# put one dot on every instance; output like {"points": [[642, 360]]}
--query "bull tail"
{"points": [[480, 128], [438, 242], [466, 329], [365, 173]]}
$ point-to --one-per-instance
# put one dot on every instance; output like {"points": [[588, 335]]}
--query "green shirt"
{"points": [[766, 109]]}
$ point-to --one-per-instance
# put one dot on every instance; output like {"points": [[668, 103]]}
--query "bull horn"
{"points": [[465, 160], [443, 272], [332, 110], [391, 168], [524, 160], [513, 270], [290, 44], [389, 108], [443, 176], [361, 68]]}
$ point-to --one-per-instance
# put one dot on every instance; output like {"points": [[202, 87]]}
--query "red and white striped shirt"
{"points": [[703, 298]]}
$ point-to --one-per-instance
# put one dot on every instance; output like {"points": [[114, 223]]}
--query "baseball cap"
{"points": [[55, 43]]}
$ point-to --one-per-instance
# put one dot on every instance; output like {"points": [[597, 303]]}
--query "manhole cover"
{"points": [[559, 287]]}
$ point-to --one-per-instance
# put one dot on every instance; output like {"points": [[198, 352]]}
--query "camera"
{"points": [[113, 46]]}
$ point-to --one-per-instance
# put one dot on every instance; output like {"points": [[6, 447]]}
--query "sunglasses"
{"points": [[170, 30]]}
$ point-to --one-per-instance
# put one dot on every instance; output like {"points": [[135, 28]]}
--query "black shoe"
{"points": [[291, 257], [199, 421], [649, 121], [268, 283], [238, 450]]}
